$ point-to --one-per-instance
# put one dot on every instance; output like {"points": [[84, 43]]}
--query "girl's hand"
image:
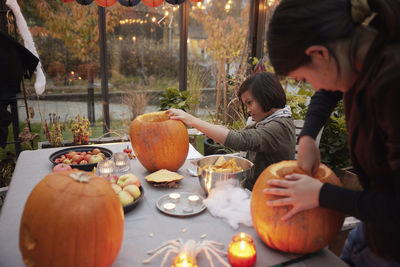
{"points": [[308, 155], [178, 114], [298, 190]]}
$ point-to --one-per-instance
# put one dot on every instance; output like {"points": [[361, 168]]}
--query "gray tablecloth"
{"points": [[145, 226]]}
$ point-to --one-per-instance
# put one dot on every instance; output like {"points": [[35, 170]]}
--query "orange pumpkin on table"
{"points": [[158, 142], [71, 218], [307, 231]]}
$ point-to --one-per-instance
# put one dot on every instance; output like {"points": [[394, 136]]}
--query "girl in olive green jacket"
{"points": [[269, 135]]}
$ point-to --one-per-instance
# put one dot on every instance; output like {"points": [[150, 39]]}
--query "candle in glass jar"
{"points": [[184, 260], [105, 167], [193, 199], [242, 251], [121, 161]]}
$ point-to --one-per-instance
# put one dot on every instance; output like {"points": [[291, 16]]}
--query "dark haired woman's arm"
{"points": [[380, 204], [322, 104]]}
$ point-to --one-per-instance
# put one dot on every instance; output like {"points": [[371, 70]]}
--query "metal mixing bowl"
{"points": [[208, 179]]}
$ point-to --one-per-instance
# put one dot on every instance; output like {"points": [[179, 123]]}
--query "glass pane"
{"points": [[142, 59], [271, 5], [218, 51], [67, 40], [144, 56]]}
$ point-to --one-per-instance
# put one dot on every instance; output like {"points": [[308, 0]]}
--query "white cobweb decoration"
{"points": [[230, 202]]}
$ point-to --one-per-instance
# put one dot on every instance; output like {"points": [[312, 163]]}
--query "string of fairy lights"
{"points": [[170, 10], [166, 15]]}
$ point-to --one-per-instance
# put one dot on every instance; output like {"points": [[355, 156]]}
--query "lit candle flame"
{"points": [[242, 245], [184, 261]]}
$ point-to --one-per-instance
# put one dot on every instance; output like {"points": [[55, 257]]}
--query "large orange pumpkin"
{"points": [[71, 218], [158, 142], [307, 231]]}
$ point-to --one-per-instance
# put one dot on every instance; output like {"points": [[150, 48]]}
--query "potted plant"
{"points": [[53, 130], [80, 129]]}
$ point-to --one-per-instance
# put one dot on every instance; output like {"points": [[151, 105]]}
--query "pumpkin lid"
{"points": [[163, 176], [86, 181]]}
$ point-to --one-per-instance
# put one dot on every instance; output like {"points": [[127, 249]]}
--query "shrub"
{"points": [[173, 98], [333, 145], [86, 71], [153, 59], [136, 102], [56, 70]]}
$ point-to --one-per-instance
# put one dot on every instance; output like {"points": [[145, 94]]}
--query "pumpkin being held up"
{"points": [[307, 231], [71, 218], [159, 142]]}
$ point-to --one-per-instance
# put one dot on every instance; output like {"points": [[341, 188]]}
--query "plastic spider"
{"points": [[191, 248]]}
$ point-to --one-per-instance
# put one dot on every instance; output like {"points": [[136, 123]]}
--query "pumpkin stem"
{"points": [[82, 177]]}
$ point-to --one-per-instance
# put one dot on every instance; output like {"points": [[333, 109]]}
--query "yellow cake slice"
{"points": [[163, 176]]}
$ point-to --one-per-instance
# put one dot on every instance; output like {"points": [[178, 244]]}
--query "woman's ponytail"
{"points": [[387, 20]]}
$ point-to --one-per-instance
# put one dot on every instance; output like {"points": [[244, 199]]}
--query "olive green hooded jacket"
{"points": [[265, 144]]}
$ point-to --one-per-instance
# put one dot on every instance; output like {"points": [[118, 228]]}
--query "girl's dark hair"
{"points": [[266, 89], [298, 24]]}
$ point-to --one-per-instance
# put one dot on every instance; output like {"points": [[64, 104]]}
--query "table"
{"points": [[145, 227]]}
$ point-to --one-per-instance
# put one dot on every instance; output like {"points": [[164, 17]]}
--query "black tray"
{"points": [[131, 206], [85, 167]]}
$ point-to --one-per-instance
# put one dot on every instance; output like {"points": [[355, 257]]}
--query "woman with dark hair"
{"points": [[330, 44], [269, 135]]}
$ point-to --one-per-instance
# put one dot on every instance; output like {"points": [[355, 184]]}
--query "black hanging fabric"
{"points": [[15, 62]]}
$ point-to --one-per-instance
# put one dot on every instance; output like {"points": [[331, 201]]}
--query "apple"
{"points": [[125, 198], [116, 188], [95, 159], [127, 179], [111, 178], [77, 158], [133, 190], [61, 167], [101, 155], [96, 151], [87, 157], [82, 162], [70, 154], [66, 161]]}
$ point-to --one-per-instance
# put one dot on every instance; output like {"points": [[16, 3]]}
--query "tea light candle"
{"points": [[242, 251], [174, 197], [184, 260], [105, 167], [193, 199], [121, 161], [169, 206]]}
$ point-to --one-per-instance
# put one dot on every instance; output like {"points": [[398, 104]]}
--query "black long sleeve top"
{"points": [[373, 124], [321, 106]]}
